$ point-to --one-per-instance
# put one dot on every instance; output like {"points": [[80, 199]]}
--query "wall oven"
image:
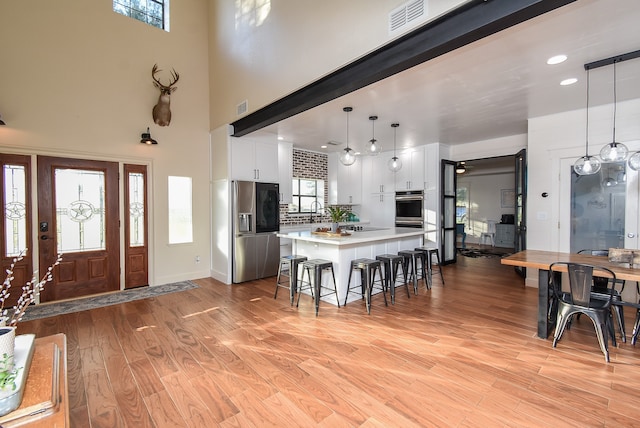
{"points": [[409, 209]]}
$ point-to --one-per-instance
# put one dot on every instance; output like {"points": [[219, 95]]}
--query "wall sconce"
{"points": [[146, 138]]}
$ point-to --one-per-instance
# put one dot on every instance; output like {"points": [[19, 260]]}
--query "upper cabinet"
{"points": [[376, 176], [254, 159], [285, 169], [411, 175], [345, 182]]}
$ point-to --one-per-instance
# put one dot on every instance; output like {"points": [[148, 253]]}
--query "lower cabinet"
{"points": [[505, 235]]}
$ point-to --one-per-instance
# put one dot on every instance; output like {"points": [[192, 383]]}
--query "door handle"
{"points": [[44, 237]]}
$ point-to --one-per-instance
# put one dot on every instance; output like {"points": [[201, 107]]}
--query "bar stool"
{"points": [[410, 264], [291, 263], [428, 254], [391, 262], [368, 269], [315, 285], [489, 234]]}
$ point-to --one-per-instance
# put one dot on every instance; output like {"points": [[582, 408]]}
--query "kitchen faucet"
{"points": [[317, 204]]}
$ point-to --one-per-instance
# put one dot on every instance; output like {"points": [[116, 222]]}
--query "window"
{"points": [[308, 196], [180, 214], [152, 12]]}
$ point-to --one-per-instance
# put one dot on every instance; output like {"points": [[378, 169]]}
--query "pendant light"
{"points": [[374, 149], [614, 152], [394, 163], [460, 168], [587, 165], [347, 157]]}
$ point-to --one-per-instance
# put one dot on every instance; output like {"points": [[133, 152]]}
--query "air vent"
{"points": [[334, 143], [242, 108], [412, 11]]}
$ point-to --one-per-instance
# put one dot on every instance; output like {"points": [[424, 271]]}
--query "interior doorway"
{"points": [[486, 202]]}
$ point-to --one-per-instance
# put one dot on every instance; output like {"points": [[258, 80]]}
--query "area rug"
{"points": [[84, 304], [482, 252]]}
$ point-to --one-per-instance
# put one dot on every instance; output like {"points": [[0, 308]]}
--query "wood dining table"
{"points": [[541, 260]]}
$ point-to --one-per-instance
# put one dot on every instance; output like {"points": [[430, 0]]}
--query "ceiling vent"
{"points": [[242, 108], [334, 143], [411, 12]]}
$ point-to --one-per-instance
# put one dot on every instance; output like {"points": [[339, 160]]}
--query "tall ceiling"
{"points": [[487, 89]]}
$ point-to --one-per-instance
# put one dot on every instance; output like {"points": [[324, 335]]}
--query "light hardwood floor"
{"points": [[463, 355]]}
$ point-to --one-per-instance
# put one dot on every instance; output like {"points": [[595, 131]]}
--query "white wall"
{"points": [[264, 50], [561, 137], [485, 201], [76, 82]]}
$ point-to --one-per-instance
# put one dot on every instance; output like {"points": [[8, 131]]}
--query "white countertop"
{"points": [[355, 237]]}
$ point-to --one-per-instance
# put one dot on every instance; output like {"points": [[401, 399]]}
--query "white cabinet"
{"points": [[378, 191], [411, 175], [285, 171], [345, 182], [254, 160], [376, 175], [380, 209]]}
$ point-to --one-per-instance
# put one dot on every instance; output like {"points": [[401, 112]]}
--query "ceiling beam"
{"points": [[463, 25]]}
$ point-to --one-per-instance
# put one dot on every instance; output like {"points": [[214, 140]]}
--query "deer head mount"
{"points": [[162, 111]]}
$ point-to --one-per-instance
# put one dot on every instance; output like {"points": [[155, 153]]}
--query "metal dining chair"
{"points": [[580, 299], [600, 290]]}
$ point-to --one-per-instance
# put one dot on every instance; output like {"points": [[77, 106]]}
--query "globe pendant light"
{"points": [[347, 157], [587, 165], [374, 149], [614, 152], [394, 164]]}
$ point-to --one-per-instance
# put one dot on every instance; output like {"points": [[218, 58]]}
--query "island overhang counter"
{"points": [[342, 249]]}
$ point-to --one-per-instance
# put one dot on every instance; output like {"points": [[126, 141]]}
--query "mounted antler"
{"points": [[161, 111]]}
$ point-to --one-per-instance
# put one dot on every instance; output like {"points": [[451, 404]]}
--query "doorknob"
{"points": [[44, 237], [631, 235]]}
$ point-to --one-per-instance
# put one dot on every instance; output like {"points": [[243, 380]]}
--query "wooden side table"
{"points": [[46, 398]]}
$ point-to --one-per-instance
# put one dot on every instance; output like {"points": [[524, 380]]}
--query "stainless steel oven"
{"points": [[409, 209]]}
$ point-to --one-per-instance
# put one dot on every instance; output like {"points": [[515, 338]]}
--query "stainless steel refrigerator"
{"points": [[256, 221]]}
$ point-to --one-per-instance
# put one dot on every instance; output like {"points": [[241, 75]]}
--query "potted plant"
{"points": [[9, 317], [337, 215]]}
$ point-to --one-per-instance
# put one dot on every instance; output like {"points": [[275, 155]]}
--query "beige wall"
{"points": [[75, 80], [263, 54]]}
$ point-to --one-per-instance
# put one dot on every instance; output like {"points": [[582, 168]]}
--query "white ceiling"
{"points": [[489, 88]]}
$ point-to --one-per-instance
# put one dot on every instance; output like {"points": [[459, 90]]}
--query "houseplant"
{"points": [[9, 318], [337, 215]]}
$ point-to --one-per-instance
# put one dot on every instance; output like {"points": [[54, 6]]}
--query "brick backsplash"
{"points": [[307, 164]]}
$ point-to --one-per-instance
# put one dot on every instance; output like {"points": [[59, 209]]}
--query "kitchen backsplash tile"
{"points": [[307, 164]]}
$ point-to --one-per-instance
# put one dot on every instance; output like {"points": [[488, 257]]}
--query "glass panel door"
{"points": [[448, 211], [598, 208]]}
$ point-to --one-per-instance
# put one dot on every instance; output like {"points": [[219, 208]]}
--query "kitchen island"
{"points": [[368, 243]]}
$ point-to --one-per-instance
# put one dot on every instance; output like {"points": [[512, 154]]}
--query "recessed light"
{"points": [[324, 146], [557, 59], [280, 138], [570, 81]]}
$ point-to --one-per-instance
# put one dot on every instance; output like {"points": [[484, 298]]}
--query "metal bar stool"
{"points": [[410, 264], [428, 255], [315, 285], [391, 263], [291, 266], [368, 269]]}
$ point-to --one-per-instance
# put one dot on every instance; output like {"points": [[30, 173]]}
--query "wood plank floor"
{"points": [[463, 355]]}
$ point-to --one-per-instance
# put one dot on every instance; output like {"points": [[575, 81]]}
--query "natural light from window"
{"points": [[180, 210]]}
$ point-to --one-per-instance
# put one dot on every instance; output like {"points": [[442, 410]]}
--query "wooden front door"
{"points": [[78, 218]]}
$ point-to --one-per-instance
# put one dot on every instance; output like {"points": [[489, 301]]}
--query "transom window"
{"points": [[308, 196], [152, 12]]}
